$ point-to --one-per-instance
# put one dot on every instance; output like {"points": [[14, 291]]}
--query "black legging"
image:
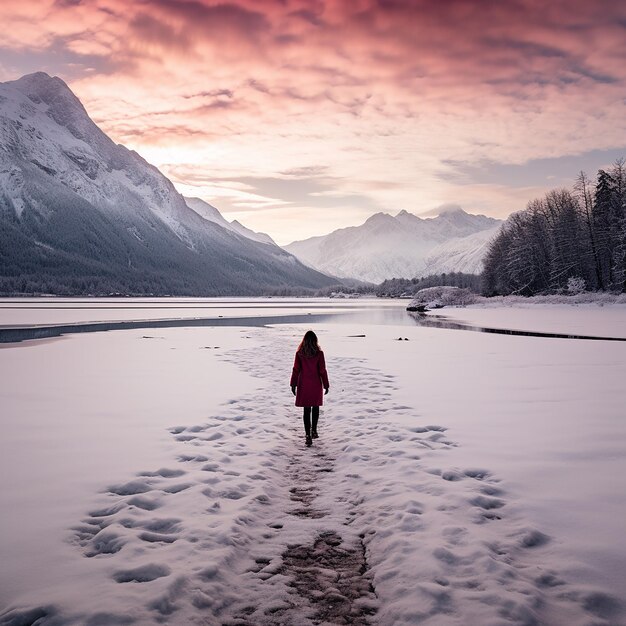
{"points": [[307, 419]]}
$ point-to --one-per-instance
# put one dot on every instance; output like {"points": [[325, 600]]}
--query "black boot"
{"points": [[307, 425], [315, 416]]}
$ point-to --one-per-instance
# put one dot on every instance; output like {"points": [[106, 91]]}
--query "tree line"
{"points": [[397, 287], [569, 240]]}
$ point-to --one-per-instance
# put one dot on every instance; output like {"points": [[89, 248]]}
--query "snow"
{"points": [[12, 181], [209, 212], [586, 319], [460, 254], [401, 246], [437, 297], [49, 147], [238, 227], [71, 431], [42, 118], [459, 478]]}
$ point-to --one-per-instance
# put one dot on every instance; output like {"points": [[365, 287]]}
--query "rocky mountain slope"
{"points": [[80, 214]]}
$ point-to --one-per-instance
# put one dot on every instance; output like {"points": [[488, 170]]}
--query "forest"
{"points": [[566, 242], [397, 287]]}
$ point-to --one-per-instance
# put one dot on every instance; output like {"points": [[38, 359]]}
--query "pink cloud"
{"points": [[377, 90]]}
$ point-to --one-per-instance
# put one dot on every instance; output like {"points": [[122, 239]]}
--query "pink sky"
{"points": [[301, 116]]}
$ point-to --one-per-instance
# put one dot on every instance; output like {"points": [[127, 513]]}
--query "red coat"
{"points": [[310, 377]]}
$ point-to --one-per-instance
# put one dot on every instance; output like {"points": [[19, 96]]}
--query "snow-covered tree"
{"points": [[583, 189], [567, 250], [618, 174], [603, 225], [564, 240]]}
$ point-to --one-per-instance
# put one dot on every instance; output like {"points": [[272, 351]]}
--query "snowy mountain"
{"points": [[80, 214], [401, 246], [209, 212], [460, 254]]}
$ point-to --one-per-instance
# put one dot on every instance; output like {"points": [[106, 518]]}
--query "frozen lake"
{"points": [[535, 424]]}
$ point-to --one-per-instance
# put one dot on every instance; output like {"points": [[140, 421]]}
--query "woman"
{"points": [[308, 376]]}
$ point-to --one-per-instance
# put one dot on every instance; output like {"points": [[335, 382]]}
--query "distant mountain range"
{"points": [[209, 212], [80, 214], [401, 246]]}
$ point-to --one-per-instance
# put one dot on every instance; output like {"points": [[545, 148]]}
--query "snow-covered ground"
{"points": [[585, 319], [460, 478]]}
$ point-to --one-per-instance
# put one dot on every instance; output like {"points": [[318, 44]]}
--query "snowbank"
{"points": [[598, 298], [437, 297]]}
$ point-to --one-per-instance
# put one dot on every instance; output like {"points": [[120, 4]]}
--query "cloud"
{"points": [[301, 191], [151, 31], [215, 93], [442, 209], [368, 104], [306, 171]]}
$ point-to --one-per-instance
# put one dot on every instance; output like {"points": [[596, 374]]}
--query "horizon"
{"points": [[302, 117], [445, 209]]}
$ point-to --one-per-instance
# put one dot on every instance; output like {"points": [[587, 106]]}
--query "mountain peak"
{"points": [[379, 218], [107, 219], [400, 245], [451, 209], [40, 86], [407, 218], [39, 77], [62, 105], [210, 213], [206, 210]]}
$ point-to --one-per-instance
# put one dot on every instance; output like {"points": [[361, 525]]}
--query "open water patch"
{"points": [[26, 333], [439, 321]]}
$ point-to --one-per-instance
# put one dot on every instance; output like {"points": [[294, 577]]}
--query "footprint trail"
{"points": [[374, 524]]}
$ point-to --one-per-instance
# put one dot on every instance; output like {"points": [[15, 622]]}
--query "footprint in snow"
{"points": [[142, 574]]}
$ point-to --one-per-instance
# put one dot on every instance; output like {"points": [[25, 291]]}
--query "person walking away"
{"points": [[308, 378]]}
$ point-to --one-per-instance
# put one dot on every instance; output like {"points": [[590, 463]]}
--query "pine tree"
{"points": [[605, 215], [618, 174], [583, 190]]}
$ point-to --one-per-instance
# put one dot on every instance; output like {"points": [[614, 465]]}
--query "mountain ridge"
{"points": [[211, 213], [81, 214], [400, 246]]}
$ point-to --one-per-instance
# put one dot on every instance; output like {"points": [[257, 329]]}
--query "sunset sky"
{"points": [[301, 116]]}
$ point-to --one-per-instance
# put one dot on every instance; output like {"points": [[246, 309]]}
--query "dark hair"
{"points": [[309, 346]]}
